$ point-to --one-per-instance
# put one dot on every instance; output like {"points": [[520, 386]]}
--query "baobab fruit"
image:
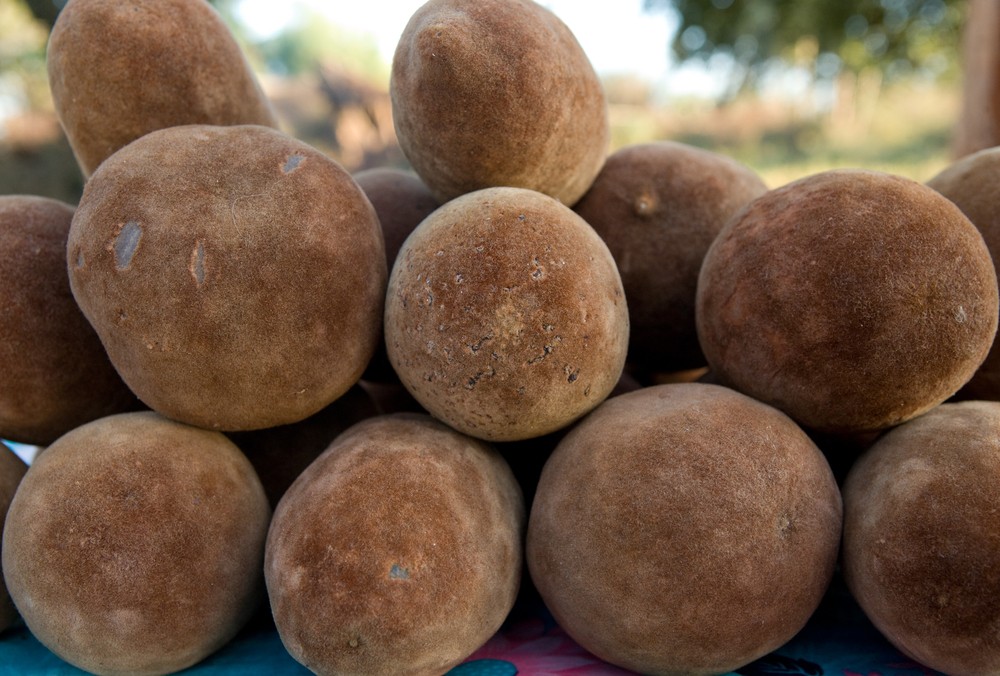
{"points": [[684, 529], [852, 300], [134, 545], [505, 316], [56, 374], [234, 275], [969, 183], [920, 545], [120, 70], [658, 207], [398, 551], [497, 93]]}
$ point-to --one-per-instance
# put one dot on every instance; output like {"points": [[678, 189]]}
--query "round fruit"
{"points": [[134, 545], [658, 207], [497, 93], [505, 315], [235, 276], [12, 470], [852, 300], [971, 184], [120, 70], [56, 374], [398, 551], [921, 540], [684, 529]]}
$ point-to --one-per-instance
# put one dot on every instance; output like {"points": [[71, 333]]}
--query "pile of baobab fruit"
{"points": [[203, 343]]}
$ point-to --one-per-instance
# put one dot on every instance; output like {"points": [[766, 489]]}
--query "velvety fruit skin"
{"points": [[973, 184], [658, 207], [55, 373], [852, 300], [401, 201], [505, 315], [12, 470], [280, 454], [921, 540], [235, 275], [397, 552], [134, 545], [684, 529], [497, 93], [121, 69]]}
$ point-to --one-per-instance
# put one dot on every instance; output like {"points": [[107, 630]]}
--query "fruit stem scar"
{"points": [[397, 572], [126, 244]]}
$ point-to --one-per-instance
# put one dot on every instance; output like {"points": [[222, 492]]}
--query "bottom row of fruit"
{"points": [[680, 528]]}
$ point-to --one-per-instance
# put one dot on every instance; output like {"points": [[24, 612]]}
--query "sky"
{"points": [[623, 40]]}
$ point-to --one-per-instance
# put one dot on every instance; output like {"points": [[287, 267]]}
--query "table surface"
{"points": [[838, 640]]}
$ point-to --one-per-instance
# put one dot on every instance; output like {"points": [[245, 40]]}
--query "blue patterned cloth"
{"points": [[838, 641]]}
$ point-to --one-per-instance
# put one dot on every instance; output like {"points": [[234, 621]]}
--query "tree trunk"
{"points": [[979, 125]]}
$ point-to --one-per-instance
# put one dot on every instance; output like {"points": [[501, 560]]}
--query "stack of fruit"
{"points": [[188, 343]]}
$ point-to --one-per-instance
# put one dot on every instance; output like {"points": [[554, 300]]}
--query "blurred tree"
{"points": [[23, 80], [979, 125], [312, 41], [896, 37]]}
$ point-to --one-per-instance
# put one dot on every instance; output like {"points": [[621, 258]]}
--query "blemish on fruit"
{"points": [[477, 346], [546, 351], [197, 266], [293, 162], [126, 244], [397, 572]]}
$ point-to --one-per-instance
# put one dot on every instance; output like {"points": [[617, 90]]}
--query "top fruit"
{"points": [[497, 93], [119, 70]]}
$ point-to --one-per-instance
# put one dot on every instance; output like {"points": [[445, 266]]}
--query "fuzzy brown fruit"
{"points": [[280, 454], [921, 540], [12, 470], [134, 545], [235, 276], [119, 70], [497, 93], [397, 552], [56, 375], [684, 529], [852, 300], [658, 207], [972, 184], [401, 201], [505, 315]]}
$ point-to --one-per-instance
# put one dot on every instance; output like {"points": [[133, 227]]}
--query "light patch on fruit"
{"points": [[294, 160], [197, 265], [126, 244]]}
